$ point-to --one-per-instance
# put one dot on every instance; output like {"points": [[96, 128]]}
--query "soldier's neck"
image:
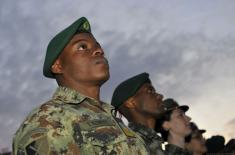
{"points": [[176, 140], [92, 91], [148, 122]]}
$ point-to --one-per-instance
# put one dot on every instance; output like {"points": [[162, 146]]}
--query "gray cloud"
{"points": [[229, 128], [231, 122], [187, 60]]}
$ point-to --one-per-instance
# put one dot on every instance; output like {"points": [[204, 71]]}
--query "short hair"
{"points": [[159, 125]]}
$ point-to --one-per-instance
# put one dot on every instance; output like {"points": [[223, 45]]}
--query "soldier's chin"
{"points": [[103, 78], [158, 112]]}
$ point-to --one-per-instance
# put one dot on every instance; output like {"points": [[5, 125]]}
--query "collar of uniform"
{"points": [[173, 149], [145, 131], [68, 95]]}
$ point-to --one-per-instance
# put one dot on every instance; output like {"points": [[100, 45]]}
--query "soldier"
{"points": [[215, 144], [174, 126], [137, 100], [195, 142], [75, 121]]}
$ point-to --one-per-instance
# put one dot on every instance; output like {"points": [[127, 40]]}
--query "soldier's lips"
{"points": [[98, 61]]}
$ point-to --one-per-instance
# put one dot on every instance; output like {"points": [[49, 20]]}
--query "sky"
{"points": [[186, 46]]}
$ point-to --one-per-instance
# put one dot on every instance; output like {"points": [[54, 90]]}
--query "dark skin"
{"points": [[144, 107], [82, 66]]}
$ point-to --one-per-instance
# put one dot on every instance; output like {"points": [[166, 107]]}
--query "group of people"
{"points": [[149, 115], [76, 121]]}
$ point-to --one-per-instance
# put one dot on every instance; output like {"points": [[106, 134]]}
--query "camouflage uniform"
{"points": [[71, 123], [151, 138], [175, 150]]}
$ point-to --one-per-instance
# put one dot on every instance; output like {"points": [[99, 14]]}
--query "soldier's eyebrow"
{"points": [[78, 40]]}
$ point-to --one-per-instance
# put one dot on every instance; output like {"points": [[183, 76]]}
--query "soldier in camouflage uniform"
{"points": [[174, 126], [75, 121], [195, 142], [137, 100]]}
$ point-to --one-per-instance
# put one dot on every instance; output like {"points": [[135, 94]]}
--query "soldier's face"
{"points": [[148, 101], [82, 60], [197, 143], [179, 123]]}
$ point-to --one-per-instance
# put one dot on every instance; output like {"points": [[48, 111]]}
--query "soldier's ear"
{"points": [[130, 103], [166, 125], [56, 68]]}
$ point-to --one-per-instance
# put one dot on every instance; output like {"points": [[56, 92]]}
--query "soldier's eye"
{"points": [[81, 47], [181, 115], [151, 90]]}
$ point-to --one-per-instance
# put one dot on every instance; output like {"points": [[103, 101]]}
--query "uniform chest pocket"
{"points": [[101, 132]]}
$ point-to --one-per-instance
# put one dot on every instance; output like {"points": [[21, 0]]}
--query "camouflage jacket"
{"points": [[71, 123], [175, 150], [151, 138]]}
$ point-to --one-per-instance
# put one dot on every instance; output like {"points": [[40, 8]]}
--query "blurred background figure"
{"points": [[195, 142], [215, 144], [230, 146], [174, 126]]}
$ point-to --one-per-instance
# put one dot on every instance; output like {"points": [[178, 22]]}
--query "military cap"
{"points": [[194, 133], [195, 128], [128, 88], [170, 104], [58, 43]]}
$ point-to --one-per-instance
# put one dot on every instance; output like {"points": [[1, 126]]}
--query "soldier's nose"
{"points": [[98, 51]]}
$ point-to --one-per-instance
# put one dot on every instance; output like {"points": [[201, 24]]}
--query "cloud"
{"points": [[231, 122], [229, 128]]}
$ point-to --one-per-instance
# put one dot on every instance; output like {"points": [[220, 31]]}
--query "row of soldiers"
{"points": [[137, 100], [76, 121]]}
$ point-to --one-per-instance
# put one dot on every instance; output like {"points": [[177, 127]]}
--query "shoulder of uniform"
{"points": [[42, 141], [173, 149], [107, 105], [39, 119], [27, 136], [45, 108]]}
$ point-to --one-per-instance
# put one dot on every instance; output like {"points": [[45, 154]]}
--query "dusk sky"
{"points": [[187, 47]]}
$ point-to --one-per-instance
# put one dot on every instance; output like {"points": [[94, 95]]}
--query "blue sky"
{"points": [[186, 46]]}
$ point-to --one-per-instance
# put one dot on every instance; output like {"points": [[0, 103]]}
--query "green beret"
{"points": [[170, 104], [58, 43], [128, 89]]}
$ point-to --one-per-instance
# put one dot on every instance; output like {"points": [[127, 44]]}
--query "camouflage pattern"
{"points": [[175, 150], [71, 123], [151, 138]]}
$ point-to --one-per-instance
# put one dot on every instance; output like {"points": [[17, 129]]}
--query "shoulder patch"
{"points": [[32, 136], [128, 132], [40, 146]]}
